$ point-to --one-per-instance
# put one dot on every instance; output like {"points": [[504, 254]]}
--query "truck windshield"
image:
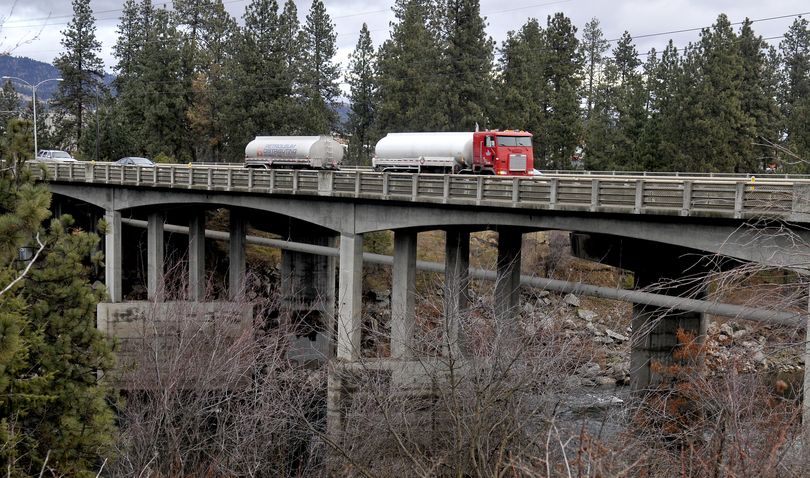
{"points": [[514, 141]]}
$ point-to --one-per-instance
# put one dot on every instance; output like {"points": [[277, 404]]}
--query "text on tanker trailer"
{"points": [[480, 152]]}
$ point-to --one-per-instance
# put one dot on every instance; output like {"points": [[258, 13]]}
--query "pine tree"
{"points": [[521, 96], [81, 70], [719, 132], [257, 80], [758, 91], [408, 62], [794, 96], [319, 73], [361, 80], [468, 56], [630, 100], [562, 123], [290, 44], [51, 401], [593, 48], [9, 105]]}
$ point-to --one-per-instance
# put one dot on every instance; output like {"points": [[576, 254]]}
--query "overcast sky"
{"points": [[32, 28]]}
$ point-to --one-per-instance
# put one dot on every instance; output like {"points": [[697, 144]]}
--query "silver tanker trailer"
{"points": [[315, 152]]}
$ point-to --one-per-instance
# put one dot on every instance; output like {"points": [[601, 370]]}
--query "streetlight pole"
{"points": [[34, 100]]}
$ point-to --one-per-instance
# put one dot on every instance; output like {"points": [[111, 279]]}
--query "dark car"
{"points": [[135, 161]]}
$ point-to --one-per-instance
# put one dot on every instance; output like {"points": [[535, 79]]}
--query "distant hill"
{"points": [[34, 71]]}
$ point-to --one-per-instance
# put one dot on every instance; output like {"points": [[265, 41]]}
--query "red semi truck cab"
{"points": [[503, 153]]}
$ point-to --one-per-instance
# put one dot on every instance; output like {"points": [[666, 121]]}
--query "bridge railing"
{"points": [[687, 196]]}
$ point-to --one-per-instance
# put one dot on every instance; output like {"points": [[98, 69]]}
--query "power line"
{"points": [[686, 30]]}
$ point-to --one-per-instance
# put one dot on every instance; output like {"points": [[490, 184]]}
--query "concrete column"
{"points": [[456, 285], [403, 291], [806, 389], [350, 296], [236, 258], [112, 255], [196, 256], [155, 256], [655, 339], [308, 296], [507, 284]]}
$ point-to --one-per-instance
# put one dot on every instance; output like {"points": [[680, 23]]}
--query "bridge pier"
{"points": [[112, 255], [350, 297], [237, 226], [403, 294], [308, 296], [657, 266], [507, 284], [196, 256], [456, 288], [155, 245]]}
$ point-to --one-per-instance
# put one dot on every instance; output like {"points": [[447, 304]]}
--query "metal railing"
{"points": [[735, 197]]}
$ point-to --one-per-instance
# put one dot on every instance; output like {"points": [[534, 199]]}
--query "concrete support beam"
{"points": [[507, 285], [196, 256], [456, 286], [155, 256], [112, 255], [236, 256], [403, 294], [350, 296]]}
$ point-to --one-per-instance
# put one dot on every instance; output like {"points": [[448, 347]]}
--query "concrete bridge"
{"points": [[655, 226]]}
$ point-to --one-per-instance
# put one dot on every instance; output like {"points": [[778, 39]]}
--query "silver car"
{"points": [[53, 155], [136, 161]]}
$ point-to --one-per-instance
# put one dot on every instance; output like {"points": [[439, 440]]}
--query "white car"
{"points": [[53, 155]]}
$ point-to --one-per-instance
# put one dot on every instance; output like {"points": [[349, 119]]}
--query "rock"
{"points": [[546, 301], [590, 370], [616, 336], [738, 334], [593, 329], [586, 314], [605, 381], [620, 370], [543, 293], [569, 324], [528, 308], [571, 300], [573, 382], [759, 357], [726, 329], [603, 340]]}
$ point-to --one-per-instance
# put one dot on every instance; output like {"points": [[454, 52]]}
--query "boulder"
{"points": [[586, 314], [571, 300]]}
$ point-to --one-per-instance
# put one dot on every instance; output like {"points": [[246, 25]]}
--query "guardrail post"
{"points": [[91, 169], [479, 189], [552, 193], [138, 176], [70, 172], [515, 191], [326, 182], [446, 188], [250, 178], [171, 176], [357, 180], [230, 178], [191, 176], [414, 187], [639, 203], [155, 175], [272, 180], [295, 181], [385, 185], [106, 173], [738, 200], [594, 194], [687, 198], [209, 179]]}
